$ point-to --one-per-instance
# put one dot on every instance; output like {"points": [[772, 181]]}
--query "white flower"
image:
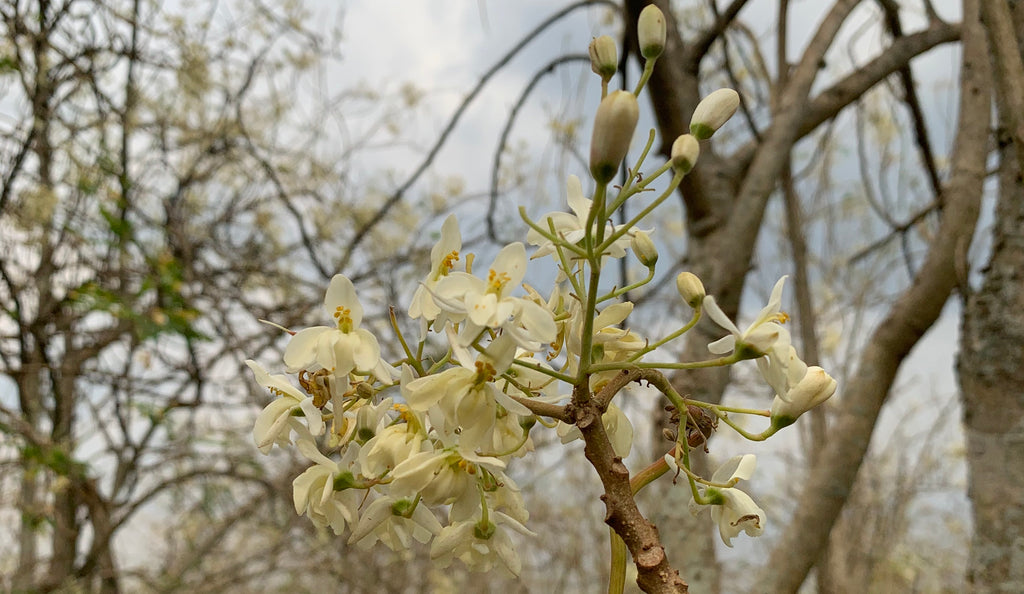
{"points": [[541, 387], [490, 303], [443, 477], [443, 257], [391, 446], [342, 349], [277, 420], [480, 547], [316, 491], [732, 509], [815, 387], [467, 395], [486, 303], [572, 227], [765, 335], [389, 521]]}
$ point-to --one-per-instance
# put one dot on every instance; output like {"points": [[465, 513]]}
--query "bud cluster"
{"points": [[410, 448]]}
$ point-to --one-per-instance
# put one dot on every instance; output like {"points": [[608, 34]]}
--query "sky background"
{"points": [[443, 47]]}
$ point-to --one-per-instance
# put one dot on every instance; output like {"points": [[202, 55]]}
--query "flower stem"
{"points": [[617, 572]]}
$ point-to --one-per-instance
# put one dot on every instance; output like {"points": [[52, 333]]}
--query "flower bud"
{"points": [[690, 288], [713, 111], [613, 131], [604, 57], [816, 387], [644, 249], [650, 31], [685, 151]]}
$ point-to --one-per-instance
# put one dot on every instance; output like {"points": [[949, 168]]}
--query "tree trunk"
{"points": [[991, 361]]}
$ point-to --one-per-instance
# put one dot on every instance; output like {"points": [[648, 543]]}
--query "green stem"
{"points": [[628, 288], [550, 235], [415, 362], [648, 69], [735, 409], [626, 189], [604, 244], [648, 475], [719, 362], [617, 572], [548, 372], [670, 337], [587, 340], [722, 415]]}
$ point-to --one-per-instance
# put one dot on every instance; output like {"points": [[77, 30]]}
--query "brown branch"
{"points": [[1009, 68], [492, 210], [831, 101], [654, 573], [544, 409], [698, 48], [832, 477], [892, 18]]}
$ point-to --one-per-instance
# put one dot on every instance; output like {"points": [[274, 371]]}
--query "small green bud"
{"points": [[690, 288], [713, 111], [651, 32], [685, 151], [614, 124], [484, 532], [644, 249], [403, 508], [604, 57], [344, 480]]}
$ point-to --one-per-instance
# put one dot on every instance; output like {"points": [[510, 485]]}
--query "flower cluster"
{"points": [[416, 448]]}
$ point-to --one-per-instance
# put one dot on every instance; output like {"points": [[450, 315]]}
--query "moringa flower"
{"points": [[443, 257], [342, 349], [764, 336], [814, 388], [277, 420], [480, 546], [490, 303], [733, 510]]}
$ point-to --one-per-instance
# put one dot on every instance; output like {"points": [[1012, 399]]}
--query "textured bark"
{"points": [[991, 361], [654, 572], [725, 200], [706, 193], [832, 477]]}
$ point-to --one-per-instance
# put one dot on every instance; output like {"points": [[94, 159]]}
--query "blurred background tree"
{"points": [[166, 184]]}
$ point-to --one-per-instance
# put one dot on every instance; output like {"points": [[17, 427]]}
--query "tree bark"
{"points": [[832, 477], [990, 364]]}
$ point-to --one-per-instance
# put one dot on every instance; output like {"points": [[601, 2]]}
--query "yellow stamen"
{"points": [[449, 262], [496, 281], [343, 316]]}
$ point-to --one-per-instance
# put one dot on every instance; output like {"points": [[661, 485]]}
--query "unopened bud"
{"points": [[685, 151], [650, 31], [644, 249], [604, 57], [613, 131], [690, 288], [713, 111], [815, 387]]}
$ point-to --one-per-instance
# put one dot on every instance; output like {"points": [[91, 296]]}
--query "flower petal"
{"points": [[341, 293]]}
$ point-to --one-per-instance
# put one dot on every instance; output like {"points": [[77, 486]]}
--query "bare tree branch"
{"points": [[909, 318]]}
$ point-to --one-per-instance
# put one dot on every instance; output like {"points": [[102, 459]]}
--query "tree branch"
{"points": [[833, 475]]}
